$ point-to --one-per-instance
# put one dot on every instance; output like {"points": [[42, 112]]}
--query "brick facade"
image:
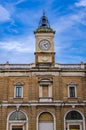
{"points": [[22, 105]]}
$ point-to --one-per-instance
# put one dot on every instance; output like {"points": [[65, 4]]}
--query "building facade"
{"points": [[45, 94]]}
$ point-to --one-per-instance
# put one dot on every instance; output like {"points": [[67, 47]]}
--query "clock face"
{"points": [[44, 44]]}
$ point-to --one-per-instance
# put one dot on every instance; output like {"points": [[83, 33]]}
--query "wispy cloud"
{"points": [[25, 15], [4, 14], [81, 3], [70, 38], [20, 46], [67, 21], [20, 1]]}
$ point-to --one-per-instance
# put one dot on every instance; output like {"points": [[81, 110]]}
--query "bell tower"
{"points": [[44, 49]]}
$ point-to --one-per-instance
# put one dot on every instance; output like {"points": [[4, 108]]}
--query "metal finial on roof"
{"points": [[44, 21], [43, 12]]}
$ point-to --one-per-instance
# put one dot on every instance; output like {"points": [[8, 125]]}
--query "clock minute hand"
{"points": [[45, 44]]}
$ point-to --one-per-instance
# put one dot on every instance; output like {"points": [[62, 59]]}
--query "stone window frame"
{"points": [[81, 122], [11, 123], [18, 84], [42, 82], [53, 115], [70, 85]]}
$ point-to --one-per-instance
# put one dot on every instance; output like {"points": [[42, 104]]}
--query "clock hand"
{"points": [[45, 44]]}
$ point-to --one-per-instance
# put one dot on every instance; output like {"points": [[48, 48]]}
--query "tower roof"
{"points": [[44, 21], [44, 25]]}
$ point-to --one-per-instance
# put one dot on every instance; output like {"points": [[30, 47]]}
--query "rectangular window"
{"points": [[45, 91], [72, 91], [18, 92]]}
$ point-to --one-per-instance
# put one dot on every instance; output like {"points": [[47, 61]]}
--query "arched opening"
{"points": [[45, 121], [17, 120], [74, 121]]}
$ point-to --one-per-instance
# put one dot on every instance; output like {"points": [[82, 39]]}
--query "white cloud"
{"points": [[68, 32], [81, 3], [18, 51], [19, 46], [20, 1], [4, 14], [68, 21]]}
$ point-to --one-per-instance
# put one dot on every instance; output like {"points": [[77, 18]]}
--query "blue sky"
{"points": [[19, 19]]}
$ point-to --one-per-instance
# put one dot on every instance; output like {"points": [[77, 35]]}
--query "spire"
{"points": [[44, 21]]}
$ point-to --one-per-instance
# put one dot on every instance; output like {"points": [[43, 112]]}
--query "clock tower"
{"points": [[44, 50]]}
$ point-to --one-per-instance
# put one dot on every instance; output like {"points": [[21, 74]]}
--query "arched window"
{"points": [[74, 121], [74, 115], [17, 115], [46, 121], [17, 120]]}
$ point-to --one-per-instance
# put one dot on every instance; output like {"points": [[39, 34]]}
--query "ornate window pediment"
{"points": [[71, 84], [45, 81], [19, 84]]}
